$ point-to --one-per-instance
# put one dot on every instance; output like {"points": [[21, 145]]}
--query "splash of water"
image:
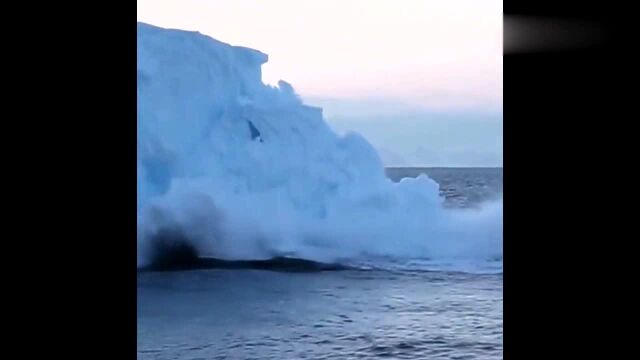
{"points": [[244, 170]]}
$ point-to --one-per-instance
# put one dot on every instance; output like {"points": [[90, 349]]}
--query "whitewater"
{"points": [[245, 170]]}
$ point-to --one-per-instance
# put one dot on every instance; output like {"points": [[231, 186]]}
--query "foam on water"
{"points": [[244, 170]]}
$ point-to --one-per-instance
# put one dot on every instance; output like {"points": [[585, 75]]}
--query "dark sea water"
{"points": [[396, 313]]}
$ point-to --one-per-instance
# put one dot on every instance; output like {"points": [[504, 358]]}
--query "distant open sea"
{"points": [[386, 314]]}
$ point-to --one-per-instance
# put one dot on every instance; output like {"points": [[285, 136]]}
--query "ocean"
{"points": [[391, 312]]}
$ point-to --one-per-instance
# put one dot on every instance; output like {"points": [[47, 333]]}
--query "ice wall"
{"points": [[246, 170]]}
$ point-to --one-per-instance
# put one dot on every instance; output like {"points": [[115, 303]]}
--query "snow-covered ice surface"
{"points": [[244, 170]]}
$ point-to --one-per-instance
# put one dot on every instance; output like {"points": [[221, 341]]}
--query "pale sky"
{"points": [[436, 53], [345, 55]]}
